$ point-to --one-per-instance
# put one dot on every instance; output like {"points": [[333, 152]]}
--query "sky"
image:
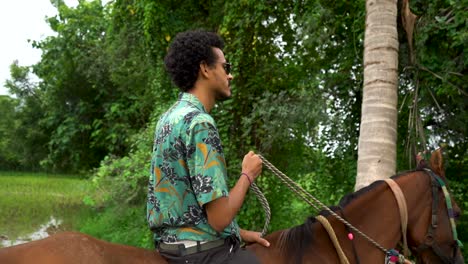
{"points": [[21, 20]]}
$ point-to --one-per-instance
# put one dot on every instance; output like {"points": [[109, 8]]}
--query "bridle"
{"points": [[429, 241]]}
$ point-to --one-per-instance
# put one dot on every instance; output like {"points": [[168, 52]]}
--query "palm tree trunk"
{"points": [[378, 131]]}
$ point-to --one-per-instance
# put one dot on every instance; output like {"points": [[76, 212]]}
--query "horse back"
{"points": [[77, 248]]}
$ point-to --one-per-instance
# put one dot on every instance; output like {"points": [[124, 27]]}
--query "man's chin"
{"points": [[220, 97]]}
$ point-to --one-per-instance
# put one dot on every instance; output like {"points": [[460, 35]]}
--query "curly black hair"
{"points": [[185, 54]]}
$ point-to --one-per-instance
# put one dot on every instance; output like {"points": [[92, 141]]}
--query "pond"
{"points": [[32, 205], [45, 230]]}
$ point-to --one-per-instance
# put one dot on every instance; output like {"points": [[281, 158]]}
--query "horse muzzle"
{"points": [[459, 259]]}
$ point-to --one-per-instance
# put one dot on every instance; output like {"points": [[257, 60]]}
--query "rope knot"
{"points": [[394, 257]]}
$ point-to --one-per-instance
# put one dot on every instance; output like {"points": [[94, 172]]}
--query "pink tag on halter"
{"points": [[394, 259], [350, 236]]}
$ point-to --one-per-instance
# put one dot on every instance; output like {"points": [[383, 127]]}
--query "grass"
{"points": [[28, 200]]}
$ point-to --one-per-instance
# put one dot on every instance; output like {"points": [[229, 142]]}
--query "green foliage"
{"points": [[75, 80], [458, 175], [27, 137], [126, 225], [434, 85], [124, 180], [8, 156], [95, 90], [333, 36]]}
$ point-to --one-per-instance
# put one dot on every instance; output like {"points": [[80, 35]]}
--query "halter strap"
{"points": [[448, 202], [401, 201], [429, 243]]}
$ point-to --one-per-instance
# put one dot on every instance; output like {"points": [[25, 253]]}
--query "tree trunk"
{"points": [[378, 131]]}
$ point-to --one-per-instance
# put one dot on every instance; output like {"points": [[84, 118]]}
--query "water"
{"points": [[44, 231]]}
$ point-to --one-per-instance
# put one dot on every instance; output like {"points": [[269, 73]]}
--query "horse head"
{"points": [[434, 239]]}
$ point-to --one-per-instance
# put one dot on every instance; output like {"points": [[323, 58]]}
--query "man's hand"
{"points": [[253, 237], [252, 165]]}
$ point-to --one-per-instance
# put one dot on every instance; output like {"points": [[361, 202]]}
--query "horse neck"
{"points": [[376, 213], [417, 189], [370, 213]]}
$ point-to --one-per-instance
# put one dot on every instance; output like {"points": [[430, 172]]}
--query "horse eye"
{"points": [[456, 215]]}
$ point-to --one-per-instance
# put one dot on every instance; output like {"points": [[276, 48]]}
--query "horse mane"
{"points": [[294, 241]]}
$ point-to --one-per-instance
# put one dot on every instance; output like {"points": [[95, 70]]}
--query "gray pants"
{"points": [[229, 253]]}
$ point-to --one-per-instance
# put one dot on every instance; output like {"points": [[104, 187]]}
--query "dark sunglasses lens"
{"points": [[227, 68]]}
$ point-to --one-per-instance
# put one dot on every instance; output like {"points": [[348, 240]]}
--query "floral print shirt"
{"points": [[188, 170]]}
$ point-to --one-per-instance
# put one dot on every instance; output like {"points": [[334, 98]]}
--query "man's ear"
{"points": [[204, 70]]}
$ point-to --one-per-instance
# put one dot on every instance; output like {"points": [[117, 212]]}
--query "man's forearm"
{"points": [[222, 211], [237, 195]]}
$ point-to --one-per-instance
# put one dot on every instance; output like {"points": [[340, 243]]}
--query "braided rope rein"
{"points": [[331, 233], [307, 197], [266, 207]]}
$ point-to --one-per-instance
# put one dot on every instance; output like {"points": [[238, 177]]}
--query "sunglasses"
{"points": [[227, 67]]}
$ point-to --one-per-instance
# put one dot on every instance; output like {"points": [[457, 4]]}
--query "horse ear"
{"points": [[437, 162], [421, 163]]}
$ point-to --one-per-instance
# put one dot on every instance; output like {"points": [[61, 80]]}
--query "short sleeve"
{"points": [[207, 166]]}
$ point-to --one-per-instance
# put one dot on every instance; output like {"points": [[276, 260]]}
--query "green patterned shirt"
{"points": [[188, 170]]}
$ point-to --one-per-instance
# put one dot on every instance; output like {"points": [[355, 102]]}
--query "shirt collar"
{"points": [[192, 99]]}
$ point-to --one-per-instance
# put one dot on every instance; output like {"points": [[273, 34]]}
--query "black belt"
{"points": [[181, 250]]}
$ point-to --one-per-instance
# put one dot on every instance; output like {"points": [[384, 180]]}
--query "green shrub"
{"points": [[120, 189], [124, 225]]}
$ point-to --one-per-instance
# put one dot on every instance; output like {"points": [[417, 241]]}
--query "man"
{"points": [[190, 209]]}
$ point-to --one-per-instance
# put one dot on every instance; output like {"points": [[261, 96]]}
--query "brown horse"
{"points": [[373, 210]]}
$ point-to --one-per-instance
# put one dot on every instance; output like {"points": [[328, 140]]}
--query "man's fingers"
{"points": [[260, 240], [263, 242]]}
